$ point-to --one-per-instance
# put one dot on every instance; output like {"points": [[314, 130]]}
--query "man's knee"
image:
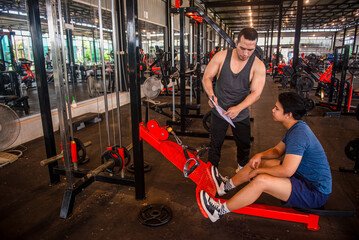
{"points": [[262, 179]]}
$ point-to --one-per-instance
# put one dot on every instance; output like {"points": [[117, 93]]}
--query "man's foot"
{"points": [[222, 183], [239, 168], [215, 210]]}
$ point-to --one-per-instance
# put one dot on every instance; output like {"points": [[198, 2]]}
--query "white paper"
{"points": [[221, 112]]}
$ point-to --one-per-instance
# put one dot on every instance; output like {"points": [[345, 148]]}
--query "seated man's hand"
{"points": [[253, 174], [255, 161]]}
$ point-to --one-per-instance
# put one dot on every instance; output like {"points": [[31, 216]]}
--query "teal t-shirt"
{"points": [[314, 166]]}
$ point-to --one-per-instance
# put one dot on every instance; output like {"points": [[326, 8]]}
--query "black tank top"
{"points": [[231, 89]]}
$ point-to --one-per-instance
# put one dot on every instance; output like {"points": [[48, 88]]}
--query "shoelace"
{"points": [[214, 203]]}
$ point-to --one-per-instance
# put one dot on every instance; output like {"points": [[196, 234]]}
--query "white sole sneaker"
{"points": [[204, 198], [220, 187]]}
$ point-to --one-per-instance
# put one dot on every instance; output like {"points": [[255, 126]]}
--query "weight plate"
{"points": [[127, 154], [354, 68], [309, 104], [81, 152], [304, 84], [155, 215], [352, 150], [112, 155], [146, 167]]}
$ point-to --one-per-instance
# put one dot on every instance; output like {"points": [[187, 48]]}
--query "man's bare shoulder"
{"points": [[258, 64], [220, 56]]}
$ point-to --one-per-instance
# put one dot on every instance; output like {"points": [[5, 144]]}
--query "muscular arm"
{"points": [[212, 70], [257, 85]]}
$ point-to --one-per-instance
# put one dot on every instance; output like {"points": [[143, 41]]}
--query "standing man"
{"points": [[241, 77]]}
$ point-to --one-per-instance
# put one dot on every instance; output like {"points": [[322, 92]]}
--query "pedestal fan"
{"points": [[9, 132]]}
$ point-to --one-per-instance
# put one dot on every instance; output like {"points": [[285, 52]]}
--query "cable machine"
{"points": [[112, 157]]}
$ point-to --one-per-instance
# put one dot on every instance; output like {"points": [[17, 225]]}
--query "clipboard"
{"points": [[221, 112]]}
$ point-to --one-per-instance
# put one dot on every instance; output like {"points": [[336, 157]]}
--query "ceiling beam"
{"points": [[222, 4]]}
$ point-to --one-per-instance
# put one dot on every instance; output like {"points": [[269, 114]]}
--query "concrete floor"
{"points": [[30, 207]]}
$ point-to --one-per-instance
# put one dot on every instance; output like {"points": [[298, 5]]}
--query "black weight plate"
{"points": [[354, 68], [155, 215], [118, 161], [146, 167], [309, 104], [304, 84], [127, 154], [352, 150], [81, 152]]}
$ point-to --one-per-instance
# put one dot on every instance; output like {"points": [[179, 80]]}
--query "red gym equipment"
{"points": [[199, 172]]}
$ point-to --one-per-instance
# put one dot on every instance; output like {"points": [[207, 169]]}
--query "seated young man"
{"points": [[303, 179]]}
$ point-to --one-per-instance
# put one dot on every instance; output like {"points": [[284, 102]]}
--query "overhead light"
{"points": [[250, 13], [306, 1], [313, 35]]}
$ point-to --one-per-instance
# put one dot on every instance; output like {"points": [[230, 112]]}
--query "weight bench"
{"points": [[200, 173]]}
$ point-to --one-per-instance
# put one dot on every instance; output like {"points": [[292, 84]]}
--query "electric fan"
{"points": [[9, 132], [151, 89]]}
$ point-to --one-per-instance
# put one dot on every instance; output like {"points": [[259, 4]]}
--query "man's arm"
{"points": [[286, 169], [257, 85], [211, 71], [272, 153]]}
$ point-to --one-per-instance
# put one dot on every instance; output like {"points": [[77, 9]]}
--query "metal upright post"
{"points": [[123, 46], [70, 44], [118, 76], [343, 75], [220, 39], [344, 32], [298, 27], [102, 60], [332, 79], [355, 38], [198, 69], [168, 38], [279, 31], [94, 45], [334, 40], [135, 96], [271, 42], [267, 44], [69, 195], [41, 82], [182, 71]]}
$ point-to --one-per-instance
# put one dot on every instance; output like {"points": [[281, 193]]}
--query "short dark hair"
{"points": [[292, 103], [248, 33]]}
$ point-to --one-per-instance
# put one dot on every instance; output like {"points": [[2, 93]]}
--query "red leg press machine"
{"points": [[200, 173]]}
